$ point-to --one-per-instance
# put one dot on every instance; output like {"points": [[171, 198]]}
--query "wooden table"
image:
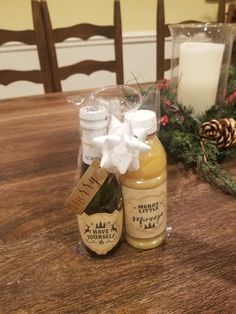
{"points": [[41, 269]]}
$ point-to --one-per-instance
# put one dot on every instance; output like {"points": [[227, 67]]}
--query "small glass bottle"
{"points": [[144, 190], [101, 222]]}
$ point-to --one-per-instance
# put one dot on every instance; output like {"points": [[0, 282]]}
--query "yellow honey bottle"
{"points": [[144, 190]]}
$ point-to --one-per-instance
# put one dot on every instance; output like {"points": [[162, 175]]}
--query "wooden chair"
{"points": [[84, 31], [231, 18], [162, 32], [231, 14], [221, 11], [29, 37]]}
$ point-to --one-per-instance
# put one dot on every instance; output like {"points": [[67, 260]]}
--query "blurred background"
{"points": [[139, 31]]}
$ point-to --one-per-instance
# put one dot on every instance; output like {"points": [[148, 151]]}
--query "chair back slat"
{"points": [[34, 76], [86, 67], [26, 36], [34, 37], [84, 31]]}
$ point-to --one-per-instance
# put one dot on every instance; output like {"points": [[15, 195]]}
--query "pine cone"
{"points": [[222, 132]]}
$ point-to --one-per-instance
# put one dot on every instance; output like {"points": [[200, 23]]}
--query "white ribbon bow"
{"points": [[121, 147]]}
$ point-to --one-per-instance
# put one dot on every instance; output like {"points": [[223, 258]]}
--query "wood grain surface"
{"points": [[41, 269]]}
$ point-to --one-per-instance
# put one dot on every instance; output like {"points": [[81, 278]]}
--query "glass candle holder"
{"points": [[200, 63], [117, 99]]}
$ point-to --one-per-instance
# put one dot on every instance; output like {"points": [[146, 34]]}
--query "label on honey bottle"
{"points": [[145, 211], [102, 231]]}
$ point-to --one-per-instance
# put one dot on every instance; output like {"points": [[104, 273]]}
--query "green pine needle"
{"points": [[180, 136], [217, 177]]}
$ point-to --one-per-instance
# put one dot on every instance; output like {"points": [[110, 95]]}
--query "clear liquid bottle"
{"points": [[144, 190], [101, 222]]}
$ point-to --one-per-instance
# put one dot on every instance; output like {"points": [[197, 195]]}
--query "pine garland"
{"points": [[179, 133]]}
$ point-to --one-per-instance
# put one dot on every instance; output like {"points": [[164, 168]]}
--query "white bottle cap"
{"points": [[142, 119], [93, 117], [93, 122]]}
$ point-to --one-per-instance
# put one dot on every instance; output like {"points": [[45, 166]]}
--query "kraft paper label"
{"points": [[87, 187], [145, 211], [101, 232]]}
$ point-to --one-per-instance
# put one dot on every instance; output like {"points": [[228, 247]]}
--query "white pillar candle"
{"points": [[199, 72]]}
